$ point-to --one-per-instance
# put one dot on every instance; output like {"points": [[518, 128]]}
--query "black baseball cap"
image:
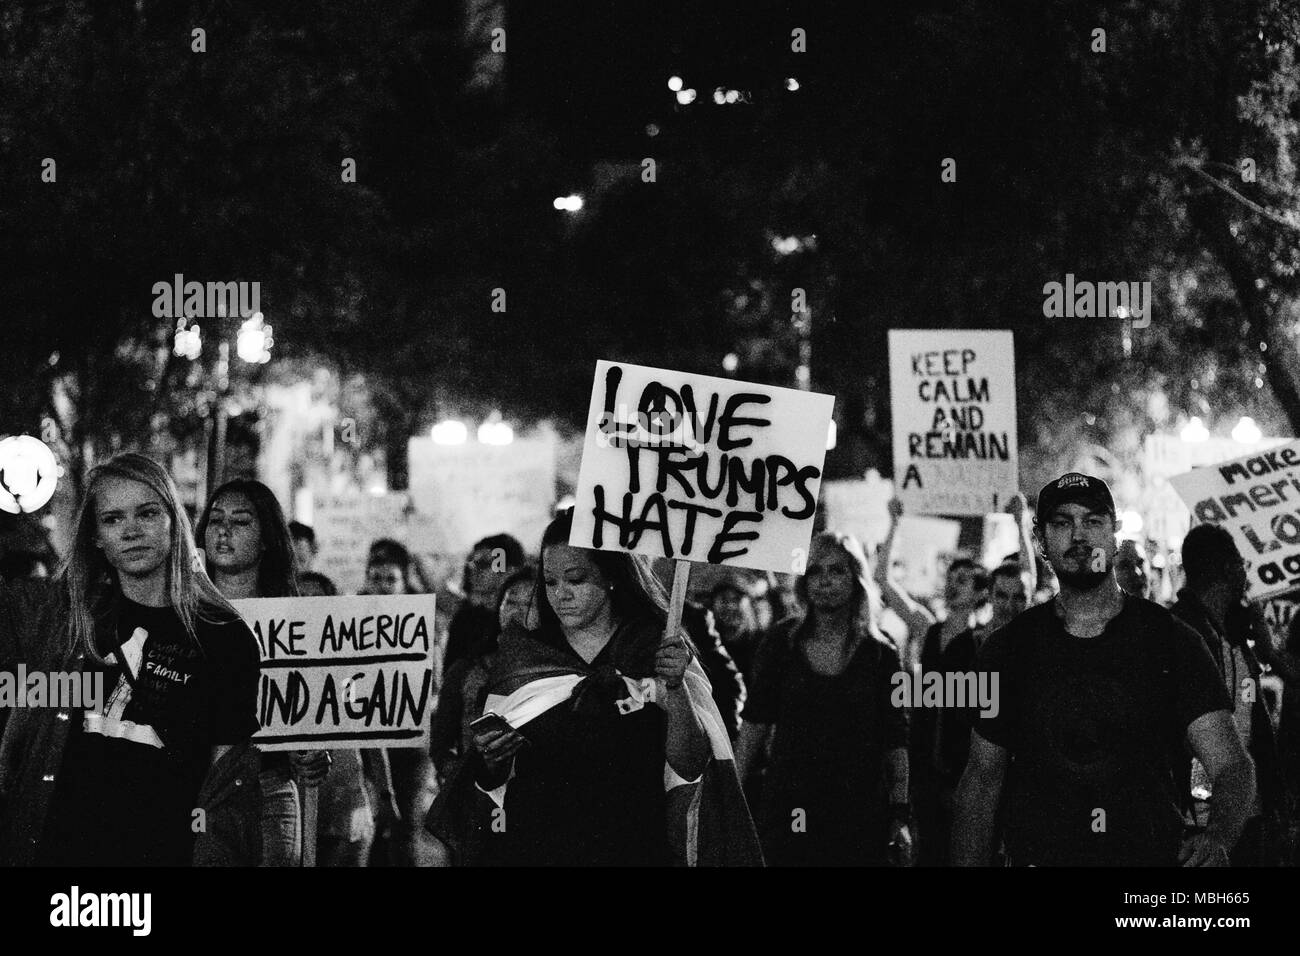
{"points": [[1073, 489]]}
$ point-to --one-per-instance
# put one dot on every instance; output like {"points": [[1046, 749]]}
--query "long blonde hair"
{"points": [[90, 582], [865, 604]]}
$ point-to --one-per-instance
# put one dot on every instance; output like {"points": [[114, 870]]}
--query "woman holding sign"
{"points": [[601, 744], [836, 787], [147, 771], [250, 554]]}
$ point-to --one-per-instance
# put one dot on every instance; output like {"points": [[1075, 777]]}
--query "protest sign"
{"points": [[697, 468], [953, 395], [1257, 498], [346, 523], [343, 671], [860, 507], [1166, 454], [469, 491]]}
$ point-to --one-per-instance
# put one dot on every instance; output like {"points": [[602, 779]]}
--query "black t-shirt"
{"points": [[133, 766], [828, 750], [1094, 727]]}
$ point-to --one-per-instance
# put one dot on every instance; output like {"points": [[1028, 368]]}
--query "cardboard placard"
{"points": [[343, 671], [1257, 498], [698, 468], [953, 395]]}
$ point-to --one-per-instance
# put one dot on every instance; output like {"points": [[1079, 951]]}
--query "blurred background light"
{"points": [[449, 432]]}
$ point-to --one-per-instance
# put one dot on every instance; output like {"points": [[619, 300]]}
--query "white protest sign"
{"points": [[346, 524], [953, 394], [473, 490], [1257, 498], [1165, 455], [343, 671], [860, 507], [699, 468]]}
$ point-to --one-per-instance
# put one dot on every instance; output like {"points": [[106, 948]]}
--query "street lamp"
{"points": [[1246, 431], [449, 432], [253, 344], [28, 474], [1195, 431], [495, 432]]}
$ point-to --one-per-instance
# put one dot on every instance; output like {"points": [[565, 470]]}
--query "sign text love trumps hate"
{"points": [[693, 467]]}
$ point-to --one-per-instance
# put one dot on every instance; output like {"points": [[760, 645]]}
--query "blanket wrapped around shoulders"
{"points": [[708, 822]]}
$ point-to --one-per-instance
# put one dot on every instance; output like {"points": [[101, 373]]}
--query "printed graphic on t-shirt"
{"points": [[159, 672]]}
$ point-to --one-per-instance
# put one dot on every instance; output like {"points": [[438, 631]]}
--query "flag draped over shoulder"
{"points": [[707, 820]]}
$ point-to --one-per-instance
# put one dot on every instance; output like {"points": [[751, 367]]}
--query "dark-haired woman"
{"points": [[835, 793], [617, 754], [250, 554], [122, 780], [464, 684]]}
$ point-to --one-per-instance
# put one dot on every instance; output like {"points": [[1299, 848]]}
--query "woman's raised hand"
{"points": [[671, 661]]}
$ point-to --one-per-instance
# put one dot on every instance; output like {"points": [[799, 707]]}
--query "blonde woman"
{"points": [[835, 793], [159, 771]]}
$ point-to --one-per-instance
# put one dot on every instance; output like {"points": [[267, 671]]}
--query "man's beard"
{"points": [[1082, 580]]}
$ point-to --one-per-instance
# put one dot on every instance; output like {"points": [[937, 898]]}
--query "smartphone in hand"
{"points": [[490, 721]]}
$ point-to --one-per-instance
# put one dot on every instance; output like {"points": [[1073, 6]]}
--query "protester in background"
{"points": [[625, 714], [1131, 571], [388, 568], [1212, 604], [836, 792], [1286, 662], [474, 624], [249, 554], [1048, 586], [914, 615], [1010, 587], [21, 565], [943, 740], [773, 601], [346, 817], [736, 622], [304, 545], [946, 646], [409, 776], [1098, 693], [393, 569], [315, 584], [460, 701], [724, 677], [118, 783], [15, 567]]}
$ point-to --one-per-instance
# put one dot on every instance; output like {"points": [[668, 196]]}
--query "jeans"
{"points": [[281, 824]]}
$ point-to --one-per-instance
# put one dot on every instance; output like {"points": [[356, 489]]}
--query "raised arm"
{"points": [[912, 612], [1019, 509]]}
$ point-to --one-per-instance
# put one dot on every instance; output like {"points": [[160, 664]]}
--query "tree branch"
{"points": [[1188, 163]]}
